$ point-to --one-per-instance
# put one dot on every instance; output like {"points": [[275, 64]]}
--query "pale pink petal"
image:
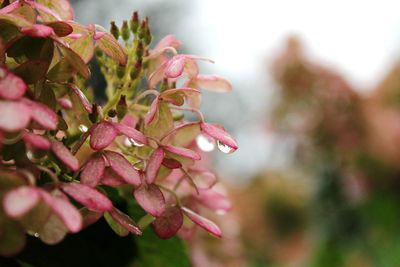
{"points": [[19, 201], [150, 198], [37, 141], [93, 171], [102, 135], [175, 66], [183, 152], [213, 83], [123, 168], [70, 216], [38, 30], [131, 133], [204, 223], [167, 41], [168, 224], [191, 68], [204, 179], [125, 221], [12, 87], [152, 112], [98, 35], [65, 103], [87, 196], [219, 134], [214, 201], [65, 155], [154, 165], [130, 120], [14, 116], [43, 115]]}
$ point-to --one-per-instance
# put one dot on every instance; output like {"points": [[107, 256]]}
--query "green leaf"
{"points": [[84, 47], [116, 227], [155, 252], [62, 71], [48, 97], [186, 135], [162, 124], [75, 60]]}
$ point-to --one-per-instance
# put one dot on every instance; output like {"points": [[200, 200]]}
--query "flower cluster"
{"points": [[61, 151]]}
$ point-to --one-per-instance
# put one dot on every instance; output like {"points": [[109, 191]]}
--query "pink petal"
{"points": [[63, 154], [65, 211], [213, 83], [84, 101], [183, 152], [219, 134], [43, 115], [37, 141], [130, 120], [93, 171], [131, 133], [98, 35], [175, 66], [111, 178], [168, 224], [167, 41], [214, 201], [14, 116], [150, 198], [12, 87], [65, 103], [102, 135], [19, 201], [154, 165], [204, 223], [87, 196], [204, 179], [125, 221], [38, 30], [152, 112], [123, 168]]}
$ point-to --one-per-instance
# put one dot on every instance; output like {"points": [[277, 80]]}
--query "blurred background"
{"points": [[316, 112]]}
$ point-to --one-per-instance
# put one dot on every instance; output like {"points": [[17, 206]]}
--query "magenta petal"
{"points": [[154, 165], [83, 99], [175, 66], [169, 223], [125, 221], [63, 154], [123, 168], [19, 201], [37, 141], [171, 163], [131, 133], [183, 152], [102, 135], [14, 116], [87, 196], [219, 134], [151, 199], [152, 112], [38, 30], [204, 223], [93, 170], [69, 215], [43, 115], [12, 87]]}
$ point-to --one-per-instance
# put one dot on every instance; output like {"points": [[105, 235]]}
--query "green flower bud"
{"points": [[125, 33], [122, 107], [134, 22], [114, 30]]}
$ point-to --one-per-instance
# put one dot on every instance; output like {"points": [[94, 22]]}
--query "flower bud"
{"points": [[122, 107], [125, 33], [139, 50], [134, 22], [136, 69], [147, 36], [142, 29], [112, 113], [94, 116], [114, 30], [120, 71]]}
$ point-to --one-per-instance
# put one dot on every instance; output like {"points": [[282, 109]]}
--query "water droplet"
{"points": [[127, 142], [36, 235], [225, 148], [83, 128], [29, 154], [136, 143], [205, 143]]}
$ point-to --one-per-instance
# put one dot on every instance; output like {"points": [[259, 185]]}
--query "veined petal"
{"points": [[168, 224], [175, 66], [87, 196], [154, 165], [14, 115], [219, 134], [123, 168], [12, 87], [184, 152], [19, 201], [131, 133], [65, 155], [43, 115], [152, 112], [204, 223], [125, 221], [37, 141], [150, 198], [102, 135], [93, 171]]}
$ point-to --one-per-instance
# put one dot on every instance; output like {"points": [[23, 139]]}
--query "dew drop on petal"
{"points": [[83, 128], [36, 235], [29, 154], [225, 148], [205, 143], [127, 142], [135, 143]]}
